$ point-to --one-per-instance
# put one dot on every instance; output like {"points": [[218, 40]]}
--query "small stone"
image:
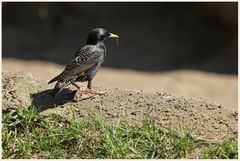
{"points": [[133, 113]]}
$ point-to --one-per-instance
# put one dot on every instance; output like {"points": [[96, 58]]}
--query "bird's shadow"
{"points": [[44, 100]]}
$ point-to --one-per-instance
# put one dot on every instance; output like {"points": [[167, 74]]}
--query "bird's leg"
{"points": [[85, 91], [90, 90], [76, 85], [79, 89], [89, 86]]}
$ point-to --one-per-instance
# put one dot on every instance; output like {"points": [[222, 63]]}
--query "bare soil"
{"points": [[205, 120], [219, 88]]}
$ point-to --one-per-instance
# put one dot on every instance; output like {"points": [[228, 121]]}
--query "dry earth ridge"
{"points": [[205, 120]]}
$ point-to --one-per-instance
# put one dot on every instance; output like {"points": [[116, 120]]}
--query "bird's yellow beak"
{"points": [[113, 36]]}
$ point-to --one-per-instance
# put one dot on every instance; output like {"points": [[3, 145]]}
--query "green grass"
{"points": [[224, 150], [28, 134]]}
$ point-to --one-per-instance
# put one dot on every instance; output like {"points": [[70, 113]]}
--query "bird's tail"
{"points": [[54, 79], [58, 87], [58, 77]]}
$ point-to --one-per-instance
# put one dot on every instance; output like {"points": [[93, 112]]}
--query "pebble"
{"points": [[133, 113]]}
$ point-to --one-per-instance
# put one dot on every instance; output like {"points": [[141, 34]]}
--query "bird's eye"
{"points": [[102, 36]]}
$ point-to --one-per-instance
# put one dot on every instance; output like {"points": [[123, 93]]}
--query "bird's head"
{"points": [[99, 35]]}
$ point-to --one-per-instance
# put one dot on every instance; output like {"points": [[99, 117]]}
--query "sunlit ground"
{"points": [[218, 88]]}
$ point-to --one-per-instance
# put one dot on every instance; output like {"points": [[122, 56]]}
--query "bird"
{"points": [[85, 63]]}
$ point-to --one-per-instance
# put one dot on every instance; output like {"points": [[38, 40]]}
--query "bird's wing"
{"points": [[85, 58]]}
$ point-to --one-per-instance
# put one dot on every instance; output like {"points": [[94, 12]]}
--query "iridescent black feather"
{"points": [[85, 63]]}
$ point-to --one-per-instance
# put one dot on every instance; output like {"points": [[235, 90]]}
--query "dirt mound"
{"points": [[188, 83], [208, 121]]}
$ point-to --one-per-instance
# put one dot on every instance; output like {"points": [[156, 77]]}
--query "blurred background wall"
{"points": [[153, 36]]}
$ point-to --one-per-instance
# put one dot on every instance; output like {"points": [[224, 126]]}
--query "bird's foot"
{"points": [[87, 91], [98, 92]]}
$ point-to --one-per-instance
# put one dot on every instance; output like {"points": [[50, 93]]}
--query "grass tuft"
{"points": [[224, 150], [28, 134]]}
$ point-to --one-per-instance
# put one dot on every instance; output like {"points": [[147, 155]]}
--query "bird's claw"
{"points": [[87, 91]]}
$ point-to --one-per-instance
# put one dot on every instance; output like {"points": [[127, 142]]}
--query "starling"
{"points": [[85, 63]]}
